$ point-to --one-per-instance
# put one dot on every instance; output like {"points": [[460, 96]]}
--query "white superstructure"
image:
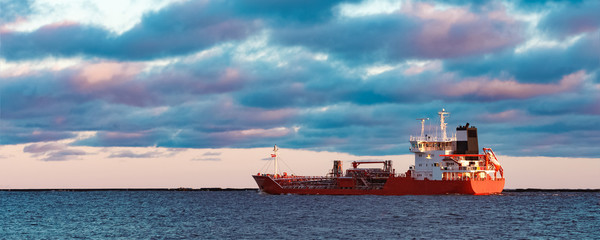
{"points": [[450, 158]]}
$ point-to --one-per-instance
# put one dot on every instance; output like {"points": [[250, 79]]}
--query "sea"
{"points": [[252, 215]]}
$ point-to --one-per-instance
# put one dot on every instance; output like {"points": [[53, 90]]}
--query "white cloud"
{"points": [[537, 38], [417, 67], [24, 68], [115, 15], [369, 7], [539, 41], [379, 69]]}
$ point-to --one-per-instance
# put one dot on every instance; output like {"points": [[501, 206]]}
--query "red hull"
{"points": [[393, 186]]}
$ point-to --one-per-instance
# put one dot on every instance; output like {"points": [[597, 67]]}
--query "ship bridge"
{"points": [[427, 142]]}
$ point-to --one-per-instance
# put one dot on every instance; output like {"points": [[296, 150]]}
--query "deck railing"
{"points": [[479, 168], [431, 139]]}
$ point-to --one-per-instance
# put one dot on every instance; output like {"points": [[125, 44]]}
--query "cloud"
{"points": [[144, 138], [43, 148], [130, 154], [206, 159], [183, 28], [53, 151], [499, 89], [13, 10], [100, 73], [248, 74], [350, 114], [153, 153], [572, 19], [418, 31], [505, 116], [177, 29], [211, 154], [289, 12], [540, 64], [15, 134], [64, 155]]}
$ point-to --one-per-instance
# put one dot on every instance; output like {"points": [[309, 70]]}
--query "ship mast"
{"points": [[442, 123], [274, 156], [422, 126]]}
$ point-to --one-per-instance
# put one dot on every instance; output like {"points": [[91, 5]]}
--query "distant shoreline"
{"points": [[129, 189], [549, 190], [242, 189]]}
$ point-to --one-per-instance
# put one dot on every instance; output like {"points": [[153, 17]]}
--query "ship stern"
{"points": [[487, 187]]}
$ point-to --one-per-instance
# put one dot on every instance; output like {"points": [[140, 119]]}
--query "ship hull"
{"points": [[393, 186]]}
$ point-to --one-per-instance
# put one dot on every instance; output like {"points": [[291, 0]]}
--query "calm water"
{"points": [[249, 215]]}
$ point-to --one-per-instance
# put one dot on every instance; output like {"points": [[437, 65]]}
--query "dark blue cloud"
{"points": [[188, 27], [12, 10], [541, 64], [59, 40], [290, 12], [178, 29], [16, 135], [384, 36], [339, 115], [573, 17], [401, 36], [149, 137]]}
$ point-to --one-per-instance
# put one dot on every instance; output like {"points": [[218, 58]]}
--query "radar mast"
{"points": [[422, 126], [443, 124]]}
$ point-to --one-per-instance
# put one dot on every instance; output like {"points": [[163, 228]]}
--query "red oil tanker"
{"points": [[443, 165]]}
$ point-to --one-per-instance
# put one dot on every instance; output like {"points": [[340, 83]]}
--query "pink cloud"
{"points": [[498, 89], [580, 24], [112, 81], [9, 26], [226, 109], [60, 24], [430, 12], [512, 115], [272, 115], [456, 31], [96, 74], [254, 133], [192, 82], [594, 108]]}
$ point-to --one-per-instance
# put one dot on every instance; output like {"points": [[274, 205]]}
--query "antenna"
{"points": [[422, 126], [443, 123]]}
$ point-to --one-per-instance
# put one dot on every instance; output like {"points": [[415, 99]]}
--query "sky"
{"points": [[173, 93]]}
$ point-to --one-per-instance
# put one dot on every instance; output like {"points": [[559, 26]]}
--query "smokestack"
{"points": [[472, 142], [337, 168], [466, 140]]}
